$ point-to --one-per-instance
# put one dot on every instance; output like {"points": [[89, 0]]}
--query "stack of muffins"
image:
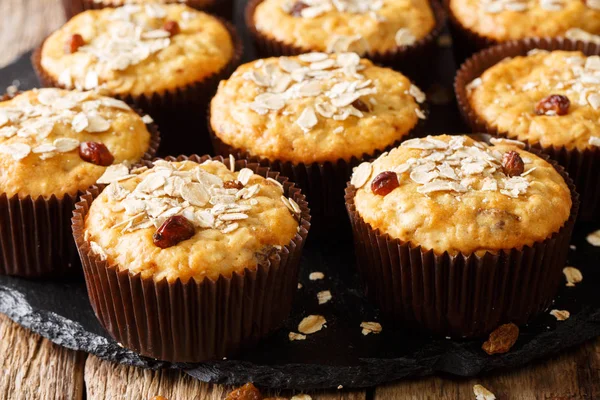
{"points": [[193, 258]]}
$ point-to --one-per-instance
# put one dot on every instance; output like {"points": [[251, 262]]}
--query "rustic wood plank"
{"points": [[34, 368], [572, 375], [25, 23]]}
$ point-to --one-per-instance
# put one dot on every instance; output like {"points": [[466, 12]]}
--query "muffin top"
{"points": [[137, 49], [550, 98], [515, 19], [345, 25], [54, 141], [314, 108], [451, 193], [188, 220]]}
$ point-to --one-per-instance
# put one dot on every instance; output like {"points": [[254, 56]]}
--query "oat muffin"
{"points": [[54, 144], [314, 108], [360, 26], [502, 20], [452, 215], [203, 261], [235, 218]]}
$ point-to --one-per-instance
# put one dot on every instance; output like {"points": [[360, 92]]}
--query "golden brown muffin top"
{"points": [[42, 131], [238, 219], [516, 19], [458, 195], [314, 108], [509, 97], [137, 49], [345, 25]]}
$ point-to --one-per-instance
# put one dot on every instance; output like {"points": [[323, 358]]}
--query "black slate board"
{"points": [[339, 354]]}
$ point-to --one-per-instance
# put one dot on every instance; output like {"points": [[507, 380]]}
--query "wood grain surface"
{"points": [[33, 368]]}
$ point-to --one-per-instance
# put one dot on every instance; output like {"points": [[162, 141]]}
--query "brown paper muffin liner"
{"points": [[178, 112], [193, 321], [223, 8], [322, 182], [462, 295], [415, 60], [465, 41], [35, 233], [582, 165]]}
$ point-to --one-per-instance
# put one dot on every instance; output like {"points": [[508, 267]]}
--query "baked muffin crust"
{"points": [[127, 51], [234, 227], [41, 132], [453, 195], [345, 25], [505, 20], [314, 108], [506, 96]]}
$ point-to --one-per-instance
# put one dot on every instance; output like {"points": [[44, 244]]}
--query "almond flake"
{"points": [[573, 276], [230, 228], [420, 113], [500, 141], [114, 173], [594, 238], [324, 296], [17, 151], [404, 37], [233, 217], [370, 327], [80, 122], [64, 145], [231, 163], [296, 336], [594, 141], [313, 57], [417, 93], [97, 124], [307, 119], [315, 276], [560, 315], [244, 176], [43, 148], [481, 393], [311, 324], [361, 175], [195, 194], [147, 119]]}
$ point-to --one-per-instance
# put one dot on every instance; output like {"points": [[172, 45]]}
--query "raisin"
{"points": [[555, 104], [96, 153], [384, 183], [172, 27], [361, 105], [512, 163], [233, 185], [297, 8], [246, 392], [74, 43], [501, 339], [174, 230]]}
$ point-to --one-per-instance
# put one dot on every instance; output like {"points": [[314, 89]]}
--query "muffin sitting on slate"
{"points": [[548, 100], [313, 117], [165, 59], [204, 260], [55, 144], [398, 33], [482, 23], [455, 237]]}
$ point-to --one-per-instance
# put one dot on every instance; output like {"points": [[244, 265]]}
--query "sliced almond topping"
{"points": [[244, 176], [64, 145], [195, 194], [308, 119], [361, 175], [404, 37], [311, 324], [114, 173]]}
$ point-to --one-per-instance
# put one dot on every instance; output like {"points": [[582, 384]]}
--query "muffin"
{"points": [[396, 33], [313, 117], [55, 144], [186, 260], [223, 8], [455, 236], [478, 24], [547, 99], [165, 59]]}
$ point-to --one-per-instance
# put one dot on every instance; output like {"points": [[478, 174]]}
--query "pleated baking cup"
{"points": [[461, 295], [322, 182], [35, 233], [223, 8], [178, 112], [581, 164], [414, 60], [193, 321]]}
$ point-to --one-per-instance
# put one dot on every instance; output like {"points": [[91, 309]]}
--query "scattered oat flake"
{"points": [[340, 387], [560, 315], [296, 336], [594, 238], [147, 119], [324, 296], [312, 324], [481, 393], [315, 276], [501, 339], [370, 327], [299, 286], [573, 276]]}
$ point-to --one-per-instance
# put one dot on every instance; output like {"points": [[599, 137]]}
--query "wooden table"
{"points": [[33, 368]]}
